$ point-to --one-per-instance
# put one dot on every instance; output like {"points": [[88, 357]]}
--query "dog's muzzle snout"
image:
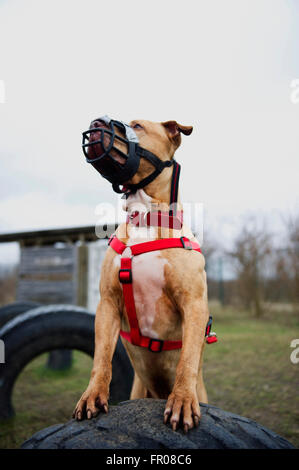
{"points": [[112, 147]]}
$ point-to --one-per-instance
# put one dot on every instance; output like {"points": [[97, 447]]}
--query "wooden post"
{"points": [[82, 273]]}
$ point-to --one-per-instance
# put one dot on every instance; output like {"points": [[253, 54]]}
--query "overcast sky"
{"points": [[225, 67]]}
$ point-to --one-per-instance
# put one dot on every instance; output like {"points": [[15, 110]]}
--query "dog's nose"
{"points": [[96, 124]]}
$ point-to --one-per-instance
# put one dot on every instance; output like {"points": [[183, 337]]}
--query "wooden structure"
{"points": [[60, 265]]}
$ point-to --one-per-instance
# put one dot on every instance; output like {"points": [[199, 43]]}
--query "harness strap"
{"points": [[154, 245], [134, 336], [125, 277], [158, 164]]}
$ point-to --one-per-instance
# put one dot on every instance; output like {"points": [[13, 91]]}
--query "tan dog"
{"points": [[170, 293]]}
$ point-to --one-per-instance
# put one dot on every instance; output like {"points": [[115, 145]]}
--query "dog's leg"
{"points": [[183, 400], [201, 389], [138, 389], [107, 326]]}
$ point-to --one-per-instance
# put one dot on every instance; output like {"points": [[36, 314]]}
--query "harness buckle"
{"points": [[209, 326], [187, 247], [125, 276], [110, 239], [159, 341], [211, 338]]}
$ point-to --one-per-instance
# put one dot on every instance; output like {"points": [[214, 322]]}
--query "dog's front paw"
{"points": [[182, 407], [91, 403]]}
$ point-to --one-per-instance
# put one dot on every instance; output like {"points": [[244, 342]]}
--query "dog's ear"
{"points": [[174, 130]]}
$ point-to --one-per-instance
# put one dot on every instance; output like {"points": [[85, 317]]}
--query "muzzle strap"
{"points": [[156, 162], [174, 187]]}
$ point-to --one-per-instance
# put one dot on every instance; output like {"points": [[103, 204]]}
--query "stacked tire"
{"points": [[60, 359], [48, 328]]}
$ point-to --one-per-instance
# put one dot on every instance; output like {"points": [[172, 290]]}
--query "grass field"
{"points": [[247, 372]]}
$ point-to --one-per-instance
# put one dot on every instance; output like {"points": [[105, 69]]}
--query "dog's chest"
{"points": [[148, 272]]}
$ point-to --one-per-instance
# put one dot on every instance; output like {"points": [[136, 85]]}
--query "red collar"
{"points": [[156, 219]]}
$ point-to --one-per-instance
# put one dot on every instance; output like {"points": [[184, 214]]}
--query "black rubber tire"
{"points": [[54, 327], [138, 424], [10, 311], [60, 359]]}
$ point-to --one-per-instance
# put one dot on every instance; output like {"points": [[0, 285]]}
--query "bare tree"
{"points": [[209, 249], [252, 246], [292, 229]]}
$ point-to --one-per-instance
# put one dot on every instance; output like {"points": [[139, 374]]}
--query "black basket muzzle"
{"points": [[106, 164]]}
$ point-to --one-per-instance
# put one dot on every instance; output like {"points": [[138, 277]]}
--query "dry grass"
{"points": [[249, 371], [43, 397]]}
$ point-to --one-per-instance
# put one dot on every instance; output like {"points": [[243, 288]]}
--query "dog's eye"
{"points": [[137, 126]]}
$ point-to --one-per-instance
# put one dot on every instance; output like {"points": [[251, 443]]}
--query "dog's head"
{"points": [[160, 138]]}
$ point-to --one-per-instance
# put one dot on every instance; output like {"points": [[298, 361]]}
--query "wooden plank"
{"points": [[46, 259], [50, 236], [96, 254], [47, 274], [82, 267], [67, 274]]}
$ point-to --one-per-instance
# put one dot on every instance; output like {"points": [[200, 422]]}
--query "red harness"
{"points": [[125, 277]]}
